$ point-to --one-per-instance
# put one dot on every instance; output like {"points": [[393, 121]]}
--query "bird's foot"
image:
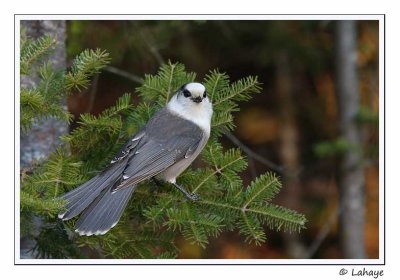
{"points": [[194, 197]]}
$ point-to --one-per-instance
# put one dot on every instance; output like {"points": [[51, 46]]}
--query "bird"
{"points": [[166, 145]]}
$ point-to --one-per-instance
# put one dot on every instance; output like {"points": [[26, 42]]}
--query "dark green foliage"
{"points": [[53, 242], [156, 216]]}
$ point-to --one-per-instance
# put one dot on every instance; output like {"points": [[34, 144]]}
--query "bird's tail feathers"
{"points": [[104, 212], [81, 197]]}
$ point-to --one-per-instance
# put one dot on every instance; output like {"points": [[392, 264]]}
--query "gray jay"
{"points": [[162, 149]]}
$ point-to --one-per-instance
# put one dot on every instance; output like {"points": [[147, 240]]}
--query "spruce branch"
{"points": [[34, 205], [251, 228], [263, 188], [277, 217], [98, 131], [240, 90], [52, 85], [159, 88], [39, 190], [43, 101], [215, 82], [36, 107], [225, 96], [34, 51], [85, 65]]}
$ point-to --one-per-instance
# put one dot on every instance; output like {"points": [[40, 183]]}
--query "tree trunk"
{"points": [[289, 147], [351, 175], [43, 138]]}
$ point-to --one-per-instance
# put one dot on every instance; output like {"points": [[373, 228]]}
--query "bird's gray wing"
{"points": [[129, 147], [167, 139]]}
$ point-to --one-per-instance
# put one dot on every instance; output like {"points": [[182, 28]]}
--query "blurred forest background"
{"points": [[315, 124]]}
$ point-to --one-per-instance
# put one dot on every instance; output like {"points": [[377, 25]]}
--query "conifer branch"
{"points": [[152, 220], [252, 229], [218, 170], [36, 107], [240, 90], [215, 82], [159, 88], [170, 78], [85, 65], [264, 188], [34, 205], [33, 51]]}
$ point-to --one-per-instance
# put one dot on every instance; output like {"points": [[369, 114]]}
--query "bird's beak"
{"points": [[198, 99]]}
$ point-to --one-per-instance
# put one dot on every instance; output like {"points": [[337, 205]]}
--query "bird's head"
{"points": [[191, 102], [192, 93]]}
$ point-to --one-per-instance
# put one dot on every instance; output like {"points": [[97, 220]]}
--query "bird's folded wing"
{"points": [[153, 158], [165, 140]]}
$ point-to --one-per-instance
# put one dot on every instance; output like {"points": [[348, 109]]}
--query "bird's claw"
{"points": [[194, 197]]}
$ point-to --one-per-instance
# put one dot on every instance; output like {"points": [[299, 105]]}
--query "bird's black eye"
{"points": [[186, 93], [205, 94]]}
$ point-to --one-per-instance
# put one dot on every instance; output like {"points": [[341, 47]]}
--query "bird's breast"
{"points": [[171, 173]]}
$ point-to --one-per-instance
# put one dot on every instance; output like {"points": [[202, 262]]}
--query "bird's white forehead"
{"points": [[195, 88]]}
